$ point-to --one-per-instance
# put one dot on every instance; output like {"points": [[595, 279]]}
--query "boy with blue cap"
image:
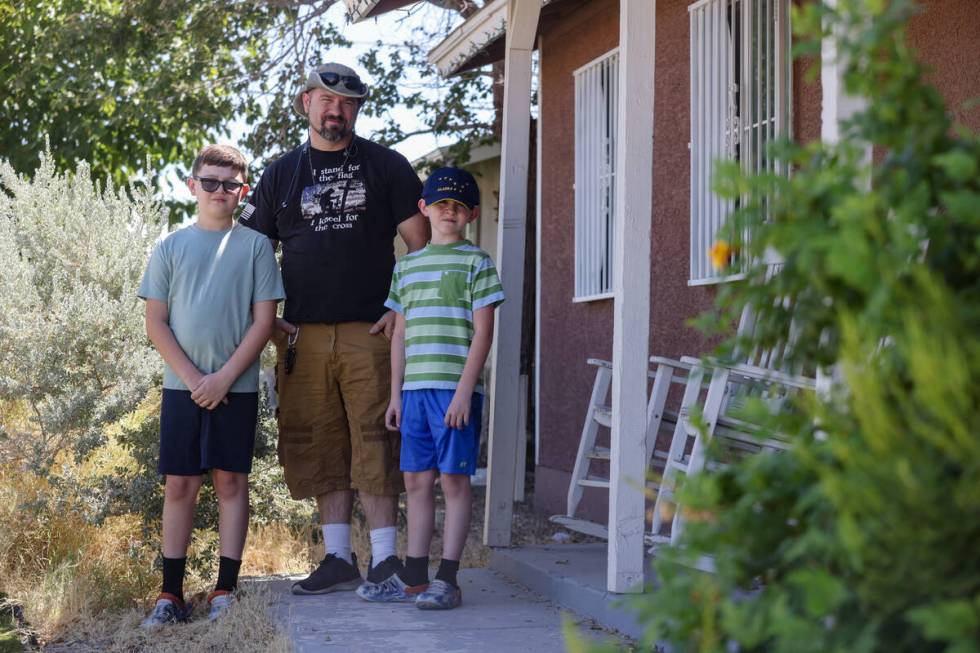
{"points": [[444, 296]]}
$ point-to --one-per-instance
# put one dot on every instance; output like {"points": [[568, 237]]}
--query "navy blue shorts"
{"points": [[427, 443], [194, 439]]}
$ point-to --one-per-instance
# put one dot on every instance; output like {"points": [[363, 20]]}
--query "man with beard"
{"points": [[335, 204]]}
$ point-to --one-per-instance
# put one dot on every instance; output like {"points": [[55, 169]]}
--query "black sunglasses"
{"points": [[210, 185], [351, 82]]}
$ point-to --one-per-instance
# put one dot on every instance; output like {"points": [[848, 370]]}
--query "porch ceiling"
{"points": [[359, 10], [480, 39]]}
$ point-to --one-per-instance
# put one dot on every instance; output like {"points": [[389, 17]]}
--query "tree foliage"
{"points": [[862, 537], [132, 87], [120, 84]]}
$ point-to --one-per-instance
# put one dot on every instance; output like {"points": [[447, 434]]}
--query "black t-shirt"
{"points": [[335, 214]]}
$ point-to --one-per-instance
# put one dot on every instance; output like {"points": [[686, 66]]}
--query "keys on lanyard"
{"points": [[290, 361]]}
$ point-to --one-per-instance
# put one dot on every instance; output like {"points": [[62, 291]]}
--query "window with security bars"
{"points": [[596, 99], [740, 79]]}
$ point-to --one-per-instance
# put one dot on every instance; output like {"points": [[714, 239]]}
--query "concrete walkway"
{"points": [[573, 576], [496, 615]]}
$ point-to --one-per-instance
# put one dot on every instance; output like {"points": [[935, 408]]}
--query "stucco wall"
{"points": [[570, 332], [946, 37], [483, 232], [945, 34]]}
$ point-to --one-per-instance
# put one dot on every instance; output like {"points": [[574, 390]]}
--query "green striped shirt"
{"points": [[437, 289]]}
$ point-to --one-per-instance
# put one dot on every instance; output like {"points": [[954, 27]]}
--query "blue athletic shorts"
{"points": [[427, 443], [194, 439]]}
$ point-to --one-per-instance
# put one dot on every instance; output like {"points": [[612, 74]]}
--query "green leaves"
{"points": [[117, 84], [954, 622], [959, 165], [136, 87], [863, 536]]}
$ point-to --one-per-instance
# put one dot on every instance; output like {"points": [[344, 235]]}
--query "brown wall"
{"points": [[946, 36], [570, 332]]}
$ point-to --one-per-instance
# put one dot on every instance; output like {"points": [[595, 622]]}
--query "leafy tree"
{"points": [[863, 536], [465, 106], [134, 86], [124, 84]]}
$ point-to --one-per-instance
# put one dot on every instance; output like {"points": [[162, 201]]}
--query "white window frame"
{"points": [[596, 131], [740, 90]]}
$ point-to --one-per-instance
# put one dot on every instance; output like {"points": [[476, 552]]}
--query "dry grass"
{"points": [[275, 549], [85, 587], [248, 627]]}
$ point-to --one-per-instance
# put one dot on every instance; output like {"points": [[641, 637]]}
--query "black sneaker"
{"points": [[333, 575], [385, 569]]}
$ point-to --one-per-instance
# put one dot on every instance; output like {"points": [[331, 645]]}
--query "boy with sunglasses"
{"points": [[211, 290]]}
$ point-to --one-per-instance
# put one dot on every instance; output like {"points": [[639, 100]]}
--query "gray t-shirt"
{"points": [[209, 280]]}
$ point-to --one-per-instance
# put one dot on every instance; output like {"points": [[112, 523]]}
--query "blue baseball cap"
{"points": [[451, 184]]}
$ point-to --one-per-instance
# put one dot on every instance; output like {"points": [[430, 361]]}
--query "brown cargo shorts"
{"points": [[332, 433]]}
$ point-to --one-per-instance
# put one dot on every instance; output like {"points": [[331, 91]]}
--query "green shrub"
{"points": [[863, 537], [80, 382]]}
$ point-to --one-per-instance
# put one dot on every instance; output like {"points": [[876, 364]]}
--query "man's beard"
{"points": [[333, 133]]}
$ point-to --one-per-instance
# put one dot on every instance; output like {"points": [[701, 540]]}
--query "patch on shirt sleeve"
{"points": [[247, 212]]}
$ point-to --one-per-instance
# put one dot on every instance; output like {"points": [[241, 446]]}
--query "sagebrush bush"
{"points": [[73, 353], [80, 497]]}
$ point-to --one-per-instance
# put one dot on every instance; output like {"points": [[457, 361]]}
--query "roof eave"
{"points": [[358, 10], [464, 44]]}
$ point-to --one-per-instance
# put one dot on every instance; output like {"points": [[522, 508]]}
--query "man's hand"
{"points": [[458, 413], [286, 327], [211, 390], [385, 325], [393, 416]]}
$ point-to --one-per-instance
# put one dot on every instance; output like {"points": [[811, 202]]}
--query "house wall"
{"points": [[483, 232], [570, 332], [945, 35]]}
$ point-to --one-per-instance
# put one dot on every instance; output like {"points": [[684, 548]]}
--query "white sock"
{"points": [[336, 540], [382, 544]]}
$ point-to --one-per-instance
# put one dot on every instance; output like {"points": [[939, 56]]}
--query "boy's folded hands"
{"points": [[211, 390]]}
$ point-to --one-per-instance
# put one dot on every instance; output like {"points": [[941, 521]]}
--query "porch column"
{"points": [[506, 433], [631, 284], [837, 107]]}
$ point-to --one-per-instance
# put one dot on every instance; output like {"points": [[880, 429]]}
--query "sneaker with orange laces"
{"points": [[169, 609], [391, 590], [219, 602]]}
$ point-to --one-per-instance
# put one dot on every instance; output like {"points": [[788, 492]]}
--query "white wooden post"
{"points": [[631, 284], [837, 107], [505, 430]]}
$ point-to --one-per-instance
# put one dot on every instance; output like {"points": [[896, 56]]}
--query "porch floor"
{"points": [[574, 577], [496, 615]]}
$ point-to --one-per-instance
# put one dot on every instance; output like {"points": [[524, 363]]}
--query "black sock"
{"points": [[173, 576], [227, 574], [447, 571], [416, 571]]}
